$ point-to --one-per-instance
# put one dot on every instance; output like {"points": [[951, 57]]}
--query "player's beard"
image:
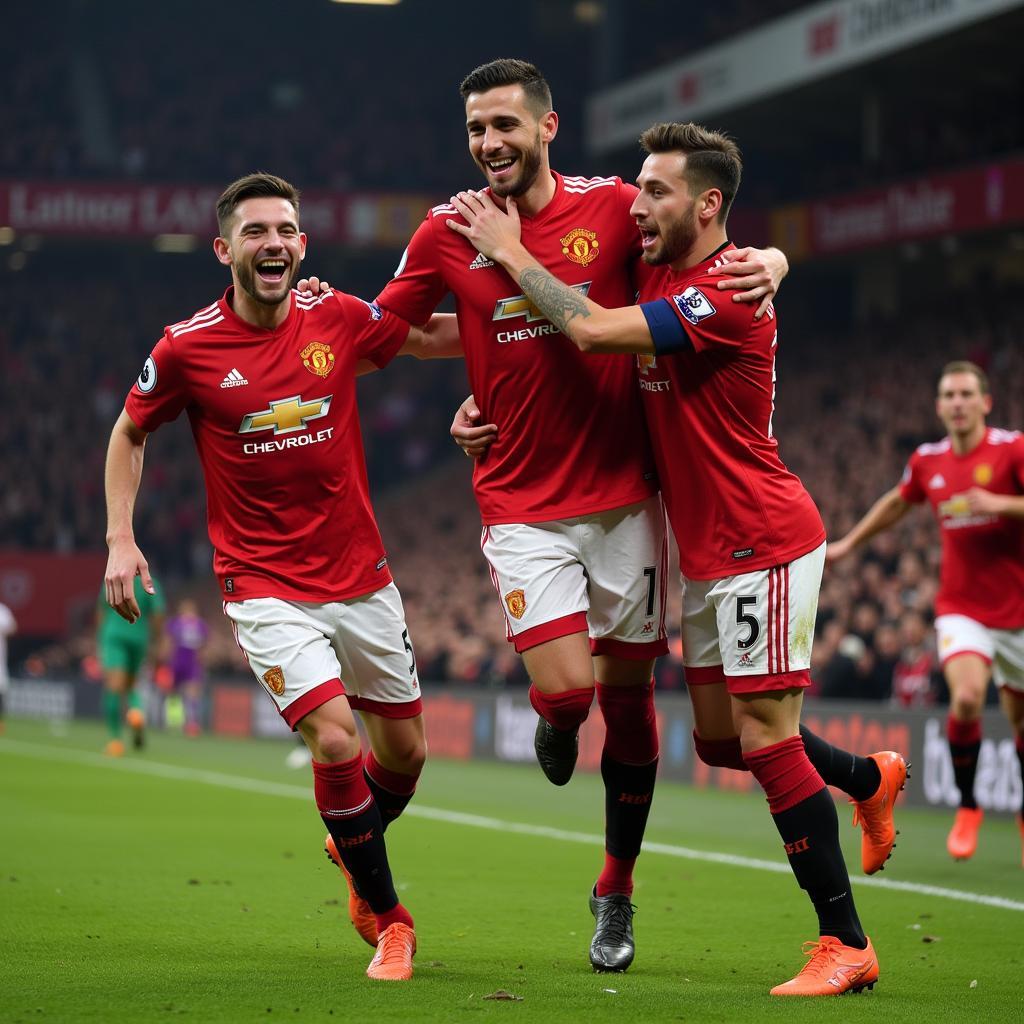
{"points": [[677, 239], [529, 167], [247, 282]]}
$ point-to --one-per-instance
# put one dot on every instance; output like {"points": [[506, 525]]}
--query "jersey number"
{"points": [[749, 621], [408, 647], [651, 573]]}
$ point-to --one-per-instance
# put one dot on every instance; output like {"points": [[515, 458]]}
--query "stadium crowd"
{"points": [[90, 104]]}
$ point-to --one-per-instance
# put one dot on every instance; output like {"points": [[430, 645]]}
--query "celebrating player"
{"points": [[974, 481], [573, 528], [751, 541], [268, 381]]}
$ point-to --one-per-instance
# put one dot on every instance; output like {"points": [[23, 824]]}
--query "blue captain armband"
{"points": [[667, 332]]}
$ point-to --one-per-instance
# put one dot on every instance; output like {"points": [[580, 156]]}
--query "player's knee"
{"points": [[967, 703], [409, 758], [331, 742], [726, 753]]}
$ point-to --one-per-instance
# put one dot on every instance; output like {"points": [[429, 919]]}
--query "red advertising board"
{"points": [[50, 593], [975, 199], [131, 210]]}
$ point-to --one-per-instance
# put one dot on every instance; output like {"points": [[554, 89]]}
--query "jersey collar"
{"points": [[225, 303]]}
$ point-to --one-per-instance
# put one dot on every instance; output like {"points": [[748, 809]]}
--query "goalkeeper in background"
{"points": [[122, 647]]}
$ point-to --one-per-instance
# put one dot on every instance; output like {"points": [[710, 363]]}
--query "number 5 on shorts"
{"points": [[744, 619]]}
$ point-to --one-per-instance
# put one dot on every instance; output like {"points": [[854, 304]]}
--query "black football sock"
{"points": [[859, 777], [628, 789], [353, 819], [810, 832]]}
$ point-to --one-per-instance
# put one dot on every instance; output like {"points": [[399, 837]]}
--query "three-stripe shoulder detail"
{"points": [[204, 318]]}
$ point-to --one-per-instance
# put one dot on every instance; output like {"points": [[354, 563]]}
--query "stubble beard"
{"points": [[529, 168]]}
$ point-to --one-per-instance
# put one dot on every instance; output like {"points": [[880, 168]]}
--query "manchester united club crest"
{"points": [[581, 246], [983, 474], [516, 601], [318, 358], [274, 678]]}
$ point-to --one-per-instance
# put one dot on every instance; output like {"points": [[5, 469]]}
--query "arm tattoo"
{"points": [[557, 301]]}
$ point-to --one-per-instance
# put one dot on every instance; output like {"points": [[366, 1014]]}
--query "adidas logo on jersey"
{"points": [[480, 262], [233, 380], [937, 481]]}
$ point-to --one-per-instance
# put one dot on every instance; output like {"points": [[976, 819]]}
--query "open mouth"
{"points": [[647, 236], [500, 168], [271, 271]]}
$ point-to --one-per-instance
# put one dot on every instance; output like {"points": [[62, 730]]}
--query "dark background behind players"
{"points": [[93, 100]]}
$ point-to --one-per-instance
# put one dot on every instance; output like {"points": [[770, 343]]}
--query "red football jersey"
{"points": [[274, 417], [733, 505], [982, 556], [571, 439]]}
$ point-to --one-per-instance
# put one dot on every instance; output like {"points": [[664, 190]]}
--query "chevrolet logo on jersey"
{"points": [[520, 305], [286, 415]]}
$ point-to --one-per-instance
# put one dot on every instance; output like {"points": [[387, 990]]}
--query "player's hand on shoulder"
{"points": [[312, 286], [758, 272], [124, 563], [489, 229], [469, 434]]}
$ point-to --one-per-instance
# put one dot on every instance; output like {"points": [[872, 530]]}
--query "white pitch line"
{"points": [[240, 782]]}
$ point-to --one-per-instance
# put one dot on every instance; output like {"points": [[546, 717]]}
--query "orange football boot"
{"points": [[875, 815], [395, 950], [114, 748], [832, 969], [962, 840], [359, 912]]}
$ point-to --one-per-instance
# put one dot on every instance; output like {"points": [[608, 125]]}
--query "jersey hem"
{"points": [[757, 565], [570, 512], [300, 596]]}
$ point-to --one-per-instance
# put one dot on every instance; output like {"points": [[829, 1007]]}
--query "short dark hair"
{"points": [[964, 366], [509, 71], [712, 158], [259, 185]]}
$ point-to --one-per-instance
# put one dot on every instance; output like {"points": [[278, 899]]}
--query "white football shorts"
{"points": [[603, 574], [1003, 649], [756, 629], [305, 654]]}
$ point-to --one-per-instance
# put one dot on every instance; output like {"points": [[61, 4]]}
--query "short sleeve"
{"points": [[159, 394], [418, 285], [711, 319], [910, 487], [375, 333]]}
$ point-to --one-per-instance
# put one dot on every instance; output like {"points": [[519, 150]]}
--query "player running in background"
{"points": [[268, 381], [188, 634], [751, 540], [573, 528], [974, 481], [122, 648]]}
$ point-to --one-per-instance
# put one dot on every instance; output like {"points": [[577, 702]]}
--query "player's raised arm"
{"points": [[122, 476], [890, 508], [590, 326]]}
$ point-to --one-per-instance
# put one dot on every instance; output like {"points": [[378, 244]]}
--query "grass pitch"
{"points": [[189, 883]]}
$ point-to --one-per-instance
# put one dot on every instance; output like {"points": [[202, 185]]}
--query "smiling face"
{"points": [[508, 140], [665, 211], [962, 404], [264, 249]]}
